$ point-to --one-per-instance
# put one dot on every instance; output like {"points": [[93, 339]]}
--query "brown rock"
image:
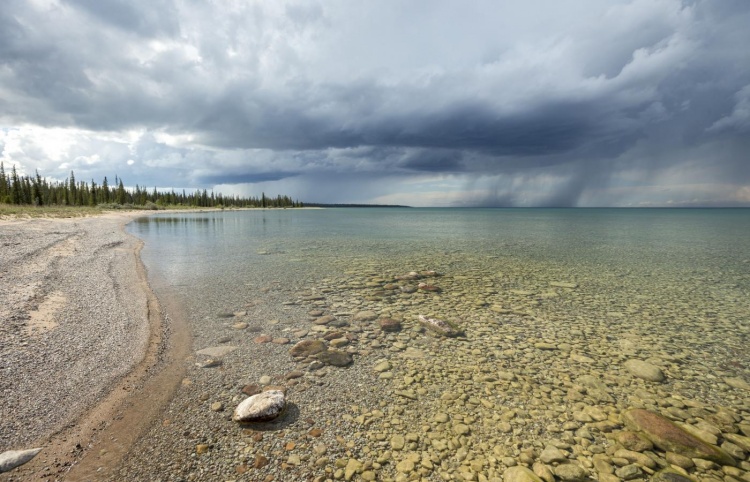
{"points": [[263, 339], [306, 348], [260, 461], [633, 441], [669, 437], [389, 325], [251, 390]]}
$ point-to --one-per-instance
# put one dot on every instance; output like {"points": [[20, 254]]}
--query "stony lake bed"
{"points": [[549, 367]]}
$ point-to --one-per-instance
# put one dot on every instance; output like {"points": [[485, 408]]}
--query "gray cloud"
{"points": [[539, 103]]}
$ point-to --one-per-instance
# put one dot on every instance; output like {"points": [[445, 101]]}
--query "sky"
{"points": [[421, 102]]}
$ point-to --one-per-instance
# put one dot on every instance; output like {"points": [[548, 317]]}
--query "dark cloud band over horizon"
{"points": [[622, 103]]}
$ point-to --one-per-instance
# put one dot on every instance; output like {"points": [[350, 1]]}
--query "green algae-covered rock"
{"points": [[669, 437]]}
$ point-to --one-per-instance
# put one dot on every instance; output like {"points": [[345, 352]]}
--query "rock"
{"points": [[389, 325], [629, 472], [739, 440], [13, 458], [265, 380], [671, 438], [581, 358], [441, 327], [251, 390], [670, 475], [552, 454], [520, 474], [738, 383], [645, 370], [262, 407], [383, 366], [324, 320], [216, 351], [545, 346], [239, 326], [543, 472], [428, 287], [209, 363], [633, 441], [352, 467], [217, 407], [306, 348], [263, 339], [570, 472], [365, 316], [336, 358], [398, 442]]}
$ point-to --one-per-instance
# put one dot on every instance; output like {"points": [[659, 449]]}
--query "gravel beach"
{"points": [[78, 336]]}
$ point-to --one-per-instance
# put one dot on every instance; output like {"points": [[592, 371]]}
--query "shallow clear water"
{"points": [[200, 249], [554, 303]]}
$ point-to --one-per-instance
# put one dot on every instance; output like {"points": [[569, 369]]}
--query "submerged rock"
{"points": [[307, 348], [336, 358], [13, 458], [389, 325], [262, 407], [520, 474], [644, 370], [441, 327], [669, 437], [670, 475]]}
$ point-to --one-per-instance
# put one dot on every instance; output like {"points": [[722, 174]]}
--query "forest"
{"points": [[38, 191]]}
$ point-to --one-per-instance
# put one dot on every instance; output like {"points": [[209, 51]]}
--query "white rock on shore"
{"points": [[13, 458], [261, 407]]}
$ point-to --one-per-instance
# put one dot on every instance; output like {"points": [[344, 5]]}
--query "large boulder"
{"points": [[262, 407], [669, 437]]}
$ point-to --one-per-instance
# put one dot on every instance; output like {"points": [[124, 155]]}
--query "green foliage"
{"points": [[37, 191]]}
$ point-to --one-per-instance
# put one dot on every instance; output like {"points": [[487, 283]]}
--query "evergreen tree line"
{"points": [[37, 191]]}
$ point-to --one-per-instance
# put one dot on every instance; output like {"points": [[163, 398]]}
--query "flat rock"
{"points": [[262, 407], [552, 454], [324, 320], [365, 316], [216, 351], [738, 383], [570, 472], [671, 438], [336, 358], [670, 475], [644, 370], [307, 348], [13, 458], [520, 474]]}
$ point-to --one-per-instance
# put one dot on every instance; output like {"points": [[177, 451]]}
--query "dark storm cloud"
{"points": [[561, 100], [245, 178]]}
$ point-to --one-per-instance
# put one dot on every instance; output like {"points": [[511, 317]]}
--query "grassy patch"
{"points": [[13, 211]]}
